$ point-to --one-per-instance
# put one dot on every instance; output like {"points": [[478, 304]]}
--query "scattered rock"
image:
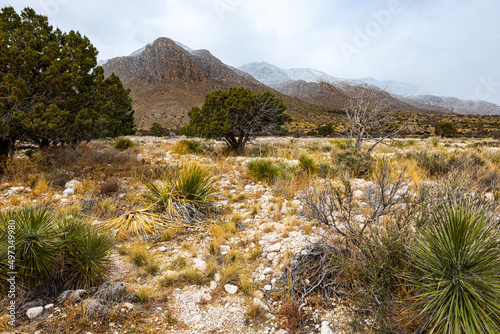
{"points": [[129, 306], [202, 298], [282, 331], [217, 277], [260, 304], [71, 296], [34, 312], [213, 285], [116, 292], [274, 248], [69, 192], [200, 264], [96, 309], [258, 294], [162, 249], [271, 256], [325, 328], [231, 289], [268, 287], [49, 306], [225, 248], [267, 271], [72, 184]]}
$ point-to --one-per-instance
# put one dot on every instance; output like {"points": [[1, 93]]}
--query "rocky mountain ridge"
{"points": [[409, 94], [167, 79]]}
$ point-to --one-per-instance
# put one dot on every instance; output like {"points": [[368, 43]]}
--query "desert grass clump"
{"points": [[308, 164], [262, 170], [187, 146], [254, 311], [145, 294], [458, 281], [140, 256]]}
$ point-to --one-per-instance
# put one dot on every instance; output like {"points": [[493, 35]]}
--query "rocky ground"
{"points": [[264, 229]]}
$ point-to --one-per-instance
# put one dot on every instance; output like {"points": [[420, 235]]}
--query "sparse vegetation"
{"points": [[373, 210]]}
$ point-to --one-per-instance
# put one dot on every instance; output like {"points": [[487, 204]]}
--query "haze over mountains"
{"points": [[167, 79]]}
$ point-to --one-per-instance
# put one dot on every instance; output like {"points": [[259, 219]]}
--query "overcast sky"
{"points": [[448, 46]]}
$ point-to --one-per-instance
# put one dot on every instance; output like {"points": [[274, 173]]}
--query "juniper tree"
{"points": [[51, 90], [236, 116]]}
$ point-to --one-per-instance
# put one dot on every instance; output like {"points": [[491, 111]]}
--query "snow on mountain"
{"points": [[273, 76]]}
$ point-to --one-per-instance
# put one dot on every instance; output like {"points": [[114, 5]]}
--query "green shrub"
{"points": [[458, 285], [157, 130], [434, 163], [445, 129], [308, 164], [123, 143], [86, 252], [355, 164]]}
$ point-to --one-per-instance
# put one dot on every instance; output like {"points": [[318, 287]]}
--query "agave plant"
{"points": [[458, 257]]}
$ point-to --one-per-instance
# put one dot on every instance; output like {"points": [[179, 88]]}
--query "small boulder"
{"points": [[96, 309], [69, 192], [325, 328], [72, 184], [267, 271], [231, 289], [116, 292], [34, 312], [200, 264]]}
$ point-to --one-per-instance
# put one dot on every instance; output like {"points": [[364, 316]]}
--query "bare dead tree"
{"points": [[366, 115], [334, 204]]}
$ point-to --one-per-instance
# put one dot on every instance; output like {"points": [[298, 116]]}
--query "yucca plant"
{"points": [[37, 243], [85, 253], [185, 196], [51, 254], [458, 285], [308, 164]]}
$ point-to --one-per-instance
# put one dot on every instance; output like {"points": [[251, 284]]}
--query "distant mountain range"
{"points": [[167, 79], [417, 96]]}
